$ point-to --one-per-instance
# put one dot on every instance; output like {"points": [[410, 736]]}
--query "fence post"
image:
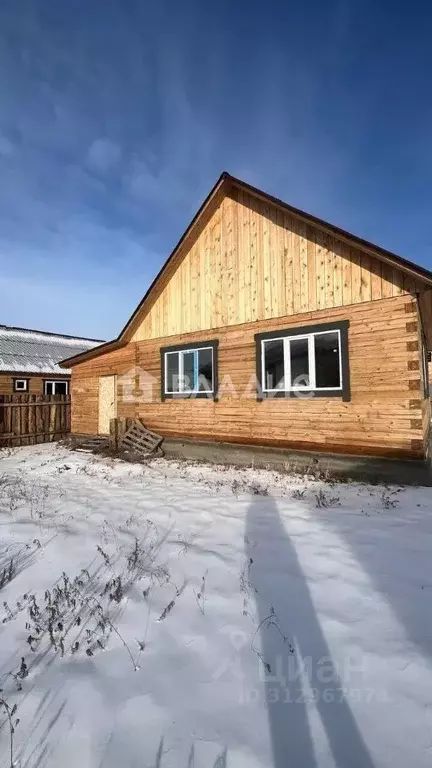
{"points": [[113, 434], [30, 419]]}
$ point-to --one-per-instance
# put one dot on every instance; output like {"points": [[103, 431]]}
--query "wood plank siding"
{"points": [[35, 385], [30, 419], [251, 262], [85, 388], [387, 413]]}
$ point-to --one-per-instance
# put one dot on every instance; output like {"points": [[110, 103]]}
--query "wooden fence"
{"points": [[31, 419]]}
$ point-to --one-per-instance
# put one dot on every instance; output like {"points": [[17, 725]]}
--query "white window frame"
{"points": [[25, 388], [180, 354], [56, 381], [311, 387]]}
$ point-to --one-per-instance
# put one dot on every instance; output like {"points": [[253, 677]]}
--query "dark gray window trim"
{"points": [[341, 325], [20, 378], [214, 344]]}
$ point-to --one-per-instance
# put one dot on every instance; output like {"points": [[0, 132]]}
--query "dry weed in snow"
{"points": [[177, 614]]}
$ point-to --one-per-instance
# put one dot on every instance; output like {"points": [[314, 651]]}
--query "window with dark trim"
{"points": [[305, 362], [189, 370], [57, 387], [20, 385]]}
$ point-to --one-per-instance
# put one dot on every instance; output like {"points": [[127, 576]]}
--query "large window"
{"points": [[304, 362], [56, 387], [189, 371]]}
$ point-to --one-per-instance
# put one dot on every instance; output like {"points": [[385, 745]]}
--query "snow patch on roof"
{"points": [[28, 351]]}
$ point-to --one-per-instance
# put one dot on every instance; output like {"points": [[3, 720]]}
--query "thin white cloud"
{"points": [[160, 187], [103, 154], [86, 279], [6, 146]]}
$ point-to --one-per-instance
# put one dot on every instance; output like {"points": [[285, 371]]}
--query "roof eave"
{"points": [[102, 349], [49, 333], [216, 189], [120, 341]]}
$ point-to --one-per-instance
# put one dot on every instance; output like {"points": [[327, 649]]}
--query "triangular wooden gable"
{"points": [[247, 256]]}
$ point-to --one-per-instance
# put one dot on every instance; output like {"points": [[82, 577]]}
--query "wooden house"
{"points": [[29, 360], [267, 326]]}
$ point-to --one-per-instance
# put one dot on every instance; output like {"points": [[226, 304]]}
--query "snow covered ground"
{"points": [[184, 616]]}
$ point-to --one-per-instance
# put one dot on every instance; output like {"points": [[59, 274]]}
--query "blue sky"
{"points": [[118, 116]]}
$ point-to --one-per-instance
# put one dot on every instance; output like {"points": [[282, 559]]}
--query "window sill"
{"points": [[303, 394], [189, 396]]}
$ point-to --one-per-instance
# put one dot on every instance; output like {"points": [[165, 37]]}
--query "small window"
{"points": [[307, 361], [56, 387], [20, 385], [189, 371]]}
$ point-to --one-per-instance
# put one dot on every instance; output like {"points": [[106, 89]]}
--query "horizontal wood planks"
{"points": [[252, 261], [426, 424], [425, 309], [386, 414], [35, 385], [85, 387]]}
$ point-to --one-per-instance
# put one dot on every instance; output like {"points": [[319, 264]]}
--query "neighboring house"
{"points": [[267, 326], [29, 360]]}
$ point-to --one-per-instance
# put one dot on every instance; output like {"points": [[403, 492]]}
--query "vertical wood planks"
{"points": [[376, 286], [288, 260], [276, 261], [246, 255], [255, 262], [296, 284], [28, 419], [311, 261], [203, 281], [231, 263], [355, 276], [304, 275], [320, 269], [281, 260], [195, 283], [338, 273], [365, 278], [218, 274], [387, 284], [252, 260], [267, 268], [347, 275], [240, 258], [209, 278], [329, 271]]}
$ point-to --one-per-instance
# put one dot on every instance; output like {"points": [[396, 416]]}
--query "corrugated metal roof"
{"points": [[26, 351]]}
